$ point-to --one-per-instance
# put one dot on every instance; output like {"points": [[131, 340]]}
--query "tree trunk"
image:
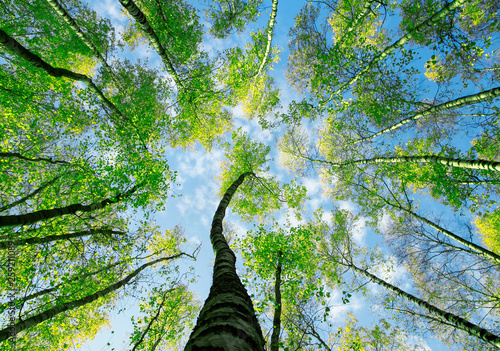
{"points": [[74, 26], [461, 102], [139, 16], [55, 287], [269, 30], [445, 11], [30, 195], [479, 250], [41, 317], [21, 157], [49, 238], [15, 47], [454, 162], [33, 217], [476, 249], [356, 21], [458, 322], [275, 337], [152, 320], [227, 320]]}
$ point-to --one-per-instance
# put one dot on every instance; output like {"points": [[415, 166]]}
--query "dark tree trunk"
{"points": [[33, 217], [227, 321], [275, 337], [63, 307]]}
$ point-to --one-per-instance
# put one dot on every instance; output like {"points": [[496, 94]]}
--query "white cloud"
{"points": [[392, 273], [315, 203], [385, 222], [195, 241], [194, 164], [338, 311], [201, 201], [251, 126], [327, 217], [109, 9], [288, 217], [313, 186], [346, 205], [360, 231]]}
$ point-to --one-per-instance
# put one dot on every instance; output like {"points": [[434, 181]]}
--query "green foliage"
{"points": [[488, 226], [176, 24], [229, 16], [168, 313], [261, 194], [66, 141]]}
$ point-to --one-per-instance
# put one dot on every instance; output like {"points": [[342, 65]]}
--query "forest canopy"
{"points": [[340, 158]]}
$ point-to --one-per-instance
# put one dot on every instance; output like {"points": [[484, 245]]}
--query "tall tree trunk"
{"points": [[33, 217], [15, 47], [227, 320], [139, 16], [41, 317], [21, 157], [269, 31], [152, 320], [450, 318], [24, 299], [74, 26], [454, 162], [30, 195], [445, 11], [275, 337], [476, 249], [460, 102], [356, 21], [49, 238]]}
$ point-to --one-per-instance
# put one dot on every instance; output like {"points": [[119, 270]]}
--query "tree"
{"points": [[280, 255], [45, 315], [238, 327], [171, 313], [340, 249], [397, 116]]}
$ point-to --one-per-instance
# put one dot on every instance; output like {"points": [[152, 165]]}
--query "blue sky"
{"points": [[197, 173]]}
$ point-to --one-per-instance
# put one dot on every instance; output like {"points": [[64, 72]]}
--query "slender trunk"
{"points": [[164, 326], [275, 337], [15, 47], [477, 182], [450, 318], [227, 320], [153, 319], [139, 16], [74, 26], [21, 157], [454, 162], [55, 287], [30, 195], [49, 238], [269, 30], [478, 250], [461, 102], [356, 21], [41, 317], [33, 217], [445, 11], [159, 338]]}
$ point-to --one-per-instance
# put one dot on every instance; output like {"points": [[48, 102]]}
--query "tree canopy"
{"points": [[351, 148]]}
